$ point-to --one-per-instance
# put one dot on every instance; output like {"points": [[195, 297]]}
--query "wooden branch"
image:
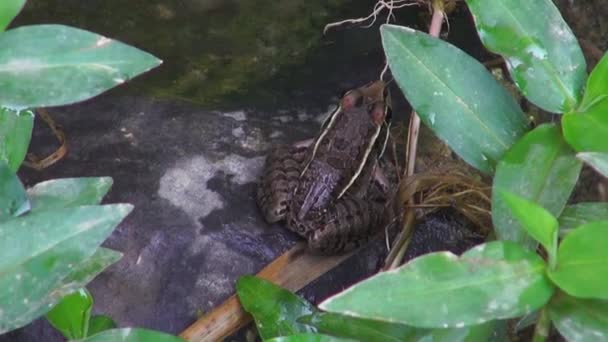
{"points": [[293, 270]]}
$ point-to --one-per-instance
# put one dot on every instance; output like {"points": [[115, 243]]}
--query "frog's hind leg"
{"points": [[279, 178], [347, 225]]}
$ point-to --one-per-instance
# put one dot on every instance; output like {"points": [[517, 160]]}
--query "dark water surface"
{"points": [[213, 49]]}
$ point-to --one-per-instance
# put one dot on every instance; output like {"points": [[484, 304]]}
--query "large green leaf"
{"points": [[68, 192], [13, 200], [536, 221], [542, 53], [582, 270], [88, 269], [8, 11], [597, 88], [586, 131], [50, 65], [359, 328], [580, 320], [371, 330], [15, 134], [454, 95], [496, 280], [309, 337], [597, 160], [100, 323], [71, 315], [80, 275], [482, 332], [274, 309], [586, 128], [42, 252], [540, 167], [132, 335], [578, 214]]}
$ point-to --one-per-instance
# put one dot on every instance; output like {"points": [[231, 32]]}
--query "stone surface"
{"points": [[191, 174]]}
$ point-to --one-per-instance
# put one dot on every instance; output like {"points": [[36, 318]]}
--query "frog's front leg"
{"points": [[279, 178], [346, 225]]}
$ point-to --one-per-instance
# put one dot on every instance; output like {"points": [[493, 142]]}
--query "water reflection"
{"points": [[210, 48]]}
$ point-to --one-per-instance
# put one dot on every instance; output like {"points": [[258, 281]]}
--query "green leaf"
{"points": [[132, 335], [8, 11], [496, 280], [13, 201], [371, 330], [580, 320], [80, 275], [71, 315], [359, 328], [454, 95], [541, 52], [51, 65], [578, 214], [15, 134], [310, 337], [100, 323], [596, 89], [482, 332], [537, 221], [68, 192], [541, 168], [582, 270], [597, 160], [40, 252], [274, 309], [88, 269], [587, 131]]}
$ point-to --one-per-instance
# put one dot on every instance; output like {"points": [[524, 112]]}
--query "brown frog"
{"points": [[326, 189]]}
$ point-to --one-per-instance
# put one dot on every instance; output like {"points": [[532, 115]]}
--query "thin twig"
{"points": [[543, 325], [380, 5], [395, 259], [401, 242]]}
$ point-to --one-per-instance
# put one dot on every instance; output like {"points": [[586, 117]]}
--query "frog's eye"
{"points": [[377, 113], [352, 99]]}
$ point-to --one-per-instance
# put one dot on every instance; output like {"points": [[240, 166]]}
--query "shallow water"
{"points": [[217, 51]]}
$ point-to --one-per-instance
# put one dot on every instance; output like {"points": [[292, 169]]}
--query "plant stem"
{"points": [[541, 331], [437, 19], [396, 256], [414, 128]]}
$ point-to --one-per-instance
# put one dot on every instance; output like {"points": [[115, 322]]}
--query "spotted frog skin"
{"points": [[325, 188]]}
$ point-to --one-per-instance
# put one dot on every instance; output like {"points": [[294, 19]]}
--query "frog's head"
{"points": [[374, 102], [374, 97]]}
